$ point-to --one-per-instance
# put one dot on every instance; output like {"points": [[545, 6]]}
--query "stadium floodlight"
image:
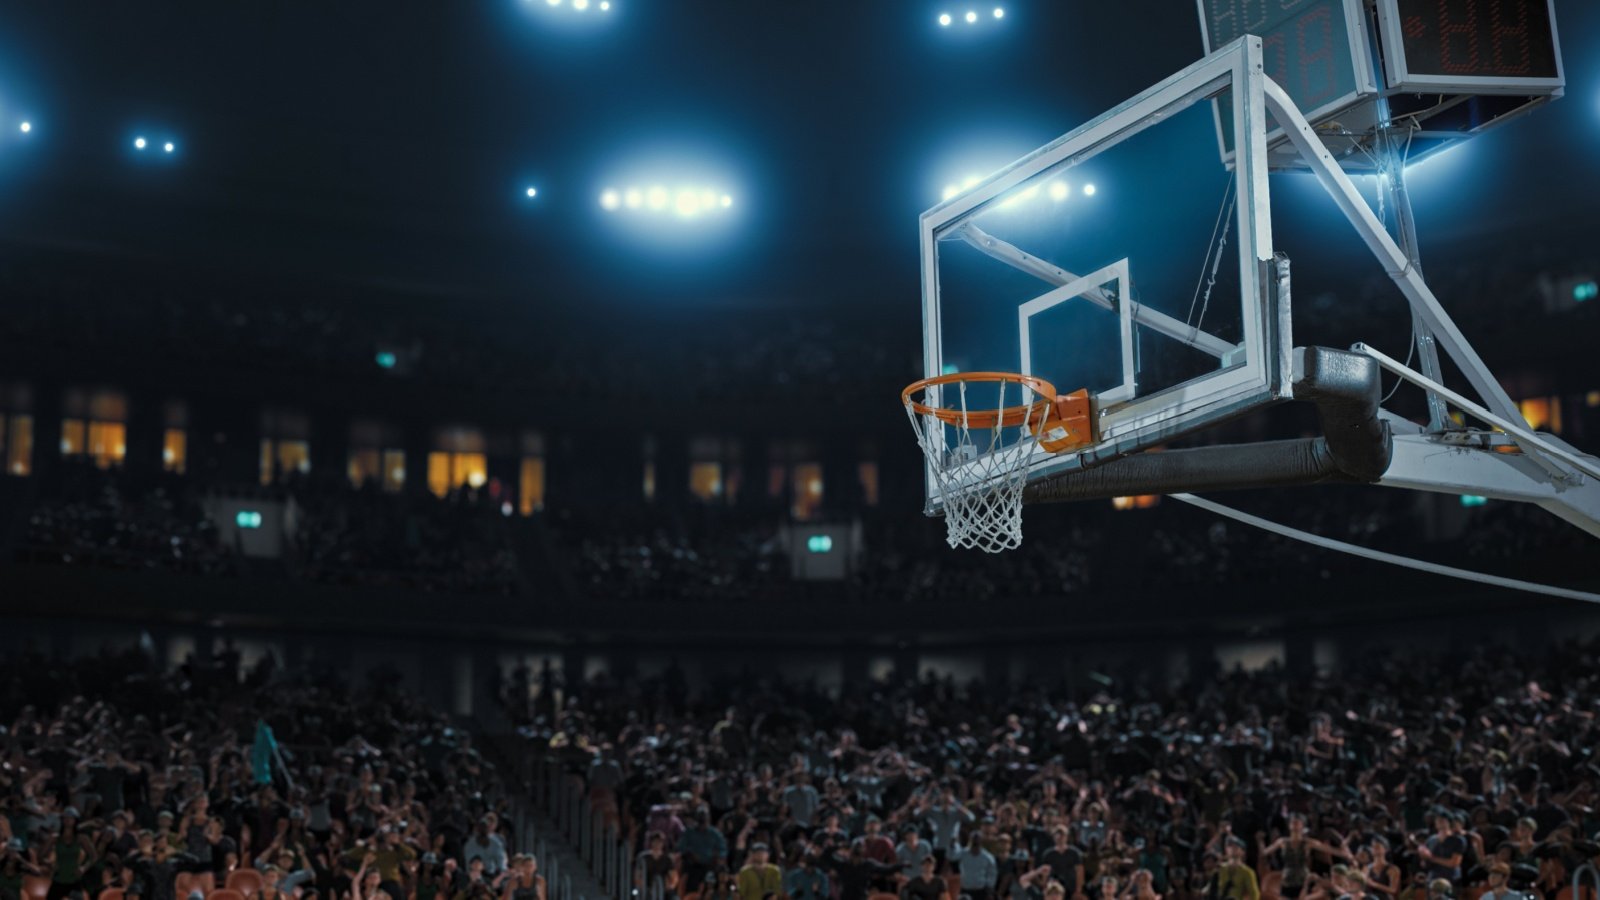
{"points": [[999, 12], [25, 127], [944, 19], [605, 5], [169, 146], [688, 203], [1089, 190], [532, 192], [138, 143], [971, 17]]}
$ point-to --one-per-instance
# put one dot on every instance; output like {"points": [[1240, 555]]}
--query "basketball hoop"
{"points": [[979, 458]]}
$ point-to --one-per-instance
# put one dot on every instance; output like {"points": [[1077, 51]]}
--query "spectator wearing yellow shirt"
{"points": [[759, 878], [1235, 880]]}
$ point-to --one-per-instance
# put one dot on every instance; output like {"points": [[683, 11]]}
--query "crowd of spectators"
{"points": [[341, 535], [95, 521], [207, 782], [459, 543], [694, 554], [718, 553], [1407, 776], [136, 311]]}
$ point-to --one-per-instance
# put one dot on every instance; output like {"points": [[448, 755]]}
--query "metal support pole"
{"points": [[1393, 165]]}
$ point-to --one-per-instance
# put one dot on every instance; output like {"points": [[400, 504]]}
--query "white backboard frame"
{"points": [[1262, 376], [1075, 290]]}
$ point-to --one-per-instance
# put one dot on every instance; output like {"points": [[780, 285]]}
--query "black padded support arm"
{"points": [[1355, 446]]}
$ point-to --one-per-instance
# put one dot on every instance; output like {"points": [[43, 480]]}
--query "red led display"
{"points": [[1478, 38]]}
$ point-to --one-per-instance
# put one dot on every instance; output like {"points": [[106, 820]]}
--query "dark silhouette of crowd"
{"points": [[1405, 776], [342, 535], [120, 780]]}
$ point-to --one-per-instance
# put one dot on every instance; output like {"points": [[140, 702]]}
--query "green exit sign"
{"points": [[246, 518], [820, 543], [1473, 500], [1586, 290]]}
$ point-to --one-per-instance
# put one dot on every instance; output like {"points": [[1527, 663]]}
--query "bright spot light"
{"points": [[950, 191], [1059, 191], [999, 12], [972, 181], [727, 201], [708, 199], [971, 17], [580, 5], [138, 143], [1088, 190], [944, 19], [554, 2], [688, 203], [532, 192], [168, 146], [610, 200], [657, 198], [605, 5], [26, 127], [633, 199]]}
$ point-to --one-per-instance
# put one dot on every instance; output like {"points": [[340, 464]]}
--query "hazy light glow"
{"points": [[169, 146], [138, 143], [971, 17], [686, 202], [1059, 191], [605, 5], [26, 127], [580, 5], [1089, 190], [532, 192], [999, 12], [944, 19]]}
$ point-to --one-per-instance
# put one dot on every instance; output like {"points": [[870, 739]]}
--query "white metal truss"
{"points": [[1546, 471]]}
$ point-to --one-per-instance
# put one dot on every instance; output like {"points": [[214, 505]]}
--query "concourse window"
{"points": [[459, 460], [714, 470], [175, 451], [19, 444], [95, 427], [285, 446], [375, 456], [867, 474]]}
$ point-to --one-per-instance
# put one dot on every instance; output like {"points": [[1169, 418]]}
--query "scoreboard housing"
{"points": [[1452, 68]]}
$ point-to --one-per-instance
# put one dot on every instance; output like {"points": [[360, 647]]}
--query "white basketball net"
{"points": [[977, 475]]}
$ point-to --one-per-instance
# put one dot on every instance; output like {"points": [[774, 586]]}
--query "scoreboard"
{"points": [[1316, 50], [1477, 46], [1451, 68]]}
